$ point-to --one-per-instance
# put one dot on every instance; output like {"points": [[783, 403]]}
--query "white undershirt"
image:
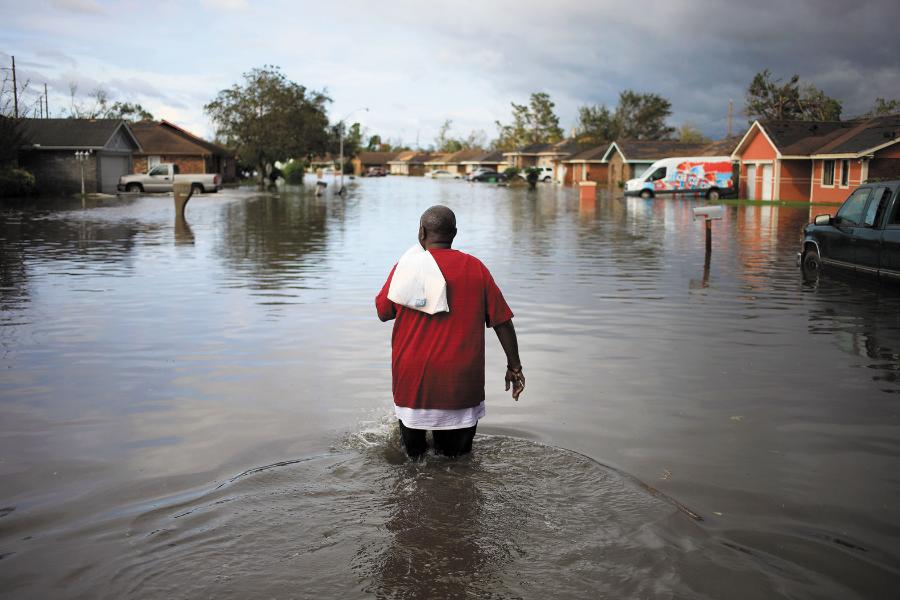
{"points": [[439, 418]]}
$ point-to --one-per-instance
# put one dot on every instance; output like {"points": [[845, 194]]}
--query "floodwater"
{"points": [[201, 408]]}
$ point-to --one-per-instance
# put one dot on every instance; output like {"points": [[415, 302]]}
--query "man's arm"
{"points": [[385, 308], [506, 333]]}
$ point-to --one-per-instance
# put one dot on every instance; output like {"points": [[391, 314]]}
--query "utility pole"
{"points": [[15, 90], [46, 102], [730, 116]]}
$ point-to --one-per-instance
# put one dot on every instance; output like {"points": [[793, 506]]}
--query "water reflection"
{"points": [[184, 235]]}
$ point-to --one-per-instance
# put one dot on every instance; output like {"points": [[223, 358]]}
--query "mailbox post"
{"points": [[709, 214]]}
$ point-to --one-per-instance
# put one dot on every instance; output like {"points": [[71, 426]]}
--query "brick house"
{"points": [[410, 162], [628, 159], [368, 160], [494, 160], [816, 161], [50, 146], [544, 156], [453, 162], [165, 142], [588, 165]]}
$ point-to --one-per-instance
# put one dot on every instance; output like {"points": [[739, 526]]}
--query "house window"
{"points": [[827, 172], [845, 173]]}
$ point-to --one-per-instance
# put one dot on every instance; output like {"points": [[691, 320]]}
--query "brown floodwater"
{"points": [[202, 408]]}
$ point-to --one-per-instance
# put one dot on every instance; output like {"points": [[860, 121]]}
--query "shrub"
{"points": [[293, 172], [512, 172], [16, 182]]}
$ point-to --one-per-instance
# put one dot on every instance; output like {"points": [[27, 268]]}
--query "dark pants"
{"points": [[449, 442]]}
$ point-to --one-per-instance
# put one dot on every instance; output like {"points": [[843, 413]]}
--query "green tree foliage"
{"points": [[97, 106], [374, 144], [789, 101], [268, 118], [444, 142], [129, 111], [638, 116], [534, 123], [293, 172], [689, 133], [643, 116], [884, 107]]}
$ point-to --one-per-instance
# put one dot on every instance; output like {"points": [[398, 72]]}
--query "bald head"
{"points": [[437, 226]]}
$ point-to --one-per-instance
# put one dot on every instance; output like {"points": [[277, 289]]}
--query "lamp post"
{"points": [[82, 156], [341, 144]]}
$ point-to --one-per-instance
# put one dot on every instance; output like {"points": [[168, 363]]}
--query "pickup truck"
{"points": [[863, 237], [161, 177]]}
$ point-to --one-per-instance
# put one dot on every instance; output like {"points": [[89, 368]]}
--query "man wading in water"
{"points": [[438, 359]]}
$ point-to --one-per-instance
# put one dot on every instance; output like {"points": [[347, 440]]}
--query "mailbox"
{"points": [[709, 213]]}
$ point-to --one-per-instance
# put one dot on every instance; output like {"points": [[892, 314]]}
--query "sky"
{"points": [[416, 64]]}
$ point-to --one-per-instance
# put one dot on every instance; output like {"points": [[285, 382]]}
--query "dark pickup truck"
{"points": [[864, 235]]}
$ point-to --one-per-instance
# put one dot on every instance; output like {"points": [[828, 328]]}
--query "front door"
{"points": [[751, 182], [840, 244], [766, 182], [868, 242]]}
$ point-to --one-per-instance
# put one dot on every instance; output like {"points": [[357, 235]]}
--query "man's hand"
{"points": [[516, 378]]}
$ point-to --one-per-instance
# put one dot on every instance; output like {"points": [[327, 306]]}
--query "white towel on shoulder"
{"points": [[418, 282]]}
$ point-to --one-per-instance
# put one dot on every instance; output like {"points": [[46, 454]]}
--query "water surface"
{"points": [[147, 363]]}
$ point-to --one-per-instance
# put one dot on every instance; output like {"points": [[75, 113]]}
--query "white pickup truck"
{"points": [[162, 176]]}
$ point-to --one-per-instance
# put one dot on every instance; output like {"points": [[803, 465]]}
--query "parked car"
{"points": [[161, 177], [709, 176], [491, 177], [545, 174], [442, 174], [863, 237], [477, 172], [376, 172]]}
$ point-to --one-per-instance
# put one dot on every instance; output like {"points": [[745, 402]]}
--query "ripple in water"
{"points": [[515, 519]]}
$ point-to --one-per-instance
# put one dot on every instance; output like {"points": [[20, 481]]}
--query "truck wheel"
{"points": [[196, 188], [646, 194], [134, 188], [811, 266], [713, 194]]}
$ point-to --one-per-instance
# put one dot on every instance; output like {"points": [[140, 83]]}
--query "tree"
{"points": [[884, 107], [11, 139], [129, 111], [643, 116], [269, 118], [534, 123], [774, 100], [638, 116], [374, 144], [689, 133]]}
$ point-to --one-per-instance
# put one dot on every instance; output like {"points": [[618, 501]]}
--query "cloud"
{"points": [[225, 4], [89, 7]]}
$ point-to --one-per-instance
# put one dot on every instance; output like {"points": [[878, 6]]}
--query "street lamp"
{"points": [[82, 156], [341, 138]]}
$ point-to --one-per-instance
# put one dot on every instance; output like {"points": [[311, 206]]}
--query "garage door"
{"points": [[112, 166]]}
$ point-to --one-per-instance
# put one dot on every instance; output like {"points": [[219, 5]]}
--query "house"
{"points": [[454, 161], [816, 161], [165, 142], [588, 165], [51, 144], [547, 155], [494, 161], [411, 162], [370, 160], [628, 159]]}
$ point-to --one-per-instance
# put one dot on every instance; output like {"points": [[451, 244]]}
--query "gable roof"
{"points": [[211, 146], [376, 158], [165, 138], [495, 156], [411, 157], [74, 134], [807, 139], [594, 154], [652, 150]]}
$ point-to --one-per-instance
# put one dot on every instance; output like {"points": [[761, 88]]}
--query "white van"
{"points": [[710, 176]]}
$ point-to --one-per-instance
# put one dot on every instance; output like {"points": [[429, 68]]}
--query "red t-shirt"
{"points": [[438, 360]]}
